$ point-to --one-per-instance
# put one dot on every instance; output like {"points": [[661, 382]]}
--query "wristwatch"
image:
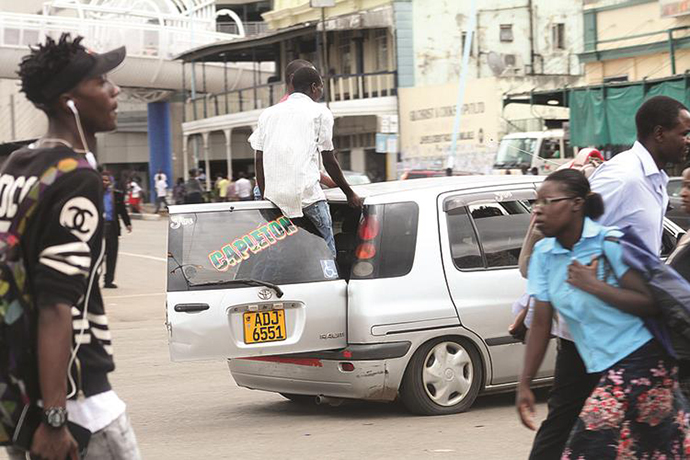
{"points": [[55, 417]]}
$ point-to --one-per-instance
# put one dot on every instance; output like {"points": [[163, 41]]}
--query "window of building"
{"points": [[381, 44], [558, 36], [506, 33], [464, 39], [345, 159], [345, 51]]}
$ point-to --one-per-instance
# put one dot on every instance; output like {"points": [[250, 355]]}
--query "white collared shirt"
{"points": [[292, 134], [634, 193]]}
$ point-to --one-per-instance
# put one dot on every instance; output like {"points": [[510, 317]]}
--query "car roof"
{"points": [[431, 185]]}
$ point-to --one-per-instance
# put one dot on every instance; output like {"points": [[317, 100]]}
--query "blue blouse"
{"points": [[602, 333]]}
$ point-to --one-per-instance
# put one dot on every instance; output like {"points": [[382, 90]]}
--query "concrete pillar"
{"points": [[185, 157], [358, 160], [207, 164], [228, 150], [160, 143]]}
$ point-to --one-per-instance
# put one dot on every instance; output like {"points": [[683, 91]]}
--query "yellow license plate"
{"points": [[264, 326]]}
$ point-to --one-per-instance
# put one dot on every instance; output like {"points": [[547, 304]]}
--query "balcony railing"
{"points": [[251, 28], [338, 88]]}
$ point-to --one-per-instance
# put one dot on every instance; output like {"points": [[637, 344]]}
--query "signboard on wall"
{"points": [[673, 8], [427, 115]]}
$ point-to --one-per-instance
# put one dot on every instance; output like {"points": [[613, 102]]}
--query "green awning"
{"points": [[606, 114]]}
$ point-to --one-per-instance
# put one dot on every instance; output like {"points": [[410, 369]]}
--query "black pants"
{"points": [[161, 200], [571, 387], [111, 246]]}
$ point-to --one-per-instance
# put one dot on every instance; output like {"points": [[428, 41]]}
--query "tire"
{"points": [[305, 400], [443, 377]]}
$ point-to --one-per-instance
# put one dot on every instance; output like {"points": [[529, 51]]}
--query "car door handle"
{"points": [[191, 307]]}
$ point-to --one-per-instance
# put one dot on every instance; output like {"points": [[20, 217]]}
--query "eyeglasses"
{"points": [[548, 201]]}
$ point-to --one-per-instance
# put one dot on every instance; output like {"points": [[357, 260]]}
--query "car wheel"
{"points": [[299, 399], [443, 377]]}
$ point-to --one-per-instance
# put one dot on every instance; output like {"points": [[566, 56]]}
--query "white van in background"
{"points": [[543, 150]]}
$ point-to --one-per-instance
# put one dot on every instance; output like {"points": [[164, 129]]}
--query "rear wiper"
{"points": [[246, 282]]}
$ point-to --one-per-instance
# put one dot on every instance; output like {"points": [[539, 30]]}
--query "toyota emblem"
{"points": [[265, 294]]}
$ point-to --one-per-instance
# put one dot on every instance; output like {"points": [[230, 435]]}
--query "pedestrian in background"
{"points": [[193, 191], [161, 191], [222, 188], [114, 209], [636, 409], [178, 191], [135, 195], [243, 187], [62, 251]]}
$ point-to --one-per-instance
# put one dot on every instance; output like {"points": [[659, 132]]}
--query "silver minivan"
{"points": [[415, 305]]}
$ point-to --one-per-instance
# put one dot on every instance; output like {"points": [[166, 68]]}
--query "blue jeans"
{"points": [[320, 215]]}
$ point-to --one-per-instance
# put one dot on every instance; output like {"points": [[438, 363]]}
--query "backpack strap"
{"points": [[608, 269], [29, 204]]}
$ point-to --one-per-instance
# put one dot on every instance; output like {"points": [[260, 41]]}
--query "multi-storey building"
{"points": [[518, 46], [354, 46]]}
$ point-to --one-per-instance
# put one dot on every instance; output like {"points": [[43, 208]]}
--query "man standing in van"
{"points": [[288, 140]]}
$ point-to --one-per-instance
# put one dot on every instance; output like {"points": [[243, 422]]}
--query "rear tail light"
{"points": [[369, 228], [365, 251], [369, 233]]}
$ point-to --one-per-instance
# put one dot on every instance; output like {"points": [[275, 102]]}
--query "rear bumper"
{"points": [[323, 374]]}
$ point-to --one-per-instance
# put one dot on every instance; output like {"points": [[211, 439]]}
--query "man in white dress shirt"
{"points": [[288, 140]]}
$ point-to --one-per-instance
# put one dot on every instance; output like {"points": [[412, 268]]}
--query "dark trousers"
{"points": [[571, 387], [161, 200], [111, 246]]}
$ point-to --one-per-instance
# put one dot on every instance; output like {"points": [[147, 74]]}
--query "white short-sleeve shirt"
{"points": [[292, 135]]}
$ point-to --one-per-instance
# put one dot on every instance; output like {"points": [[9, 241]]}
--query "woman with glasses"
{"points": [[636, 409]]}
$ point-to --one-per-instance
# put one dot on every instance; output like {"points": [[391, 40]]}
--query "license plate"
{"points": [[264, 326]]}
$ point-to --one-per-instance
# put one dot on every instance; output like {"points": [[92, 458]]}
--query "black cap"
{"points": [[84, 64]]}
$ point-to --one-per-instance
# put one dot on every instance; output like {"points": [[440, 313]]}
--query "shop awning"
{"points": [[605, 114]]}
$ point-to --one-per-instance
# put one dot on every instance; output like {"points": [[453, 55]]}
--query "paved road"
{"points": [[195, 410]]}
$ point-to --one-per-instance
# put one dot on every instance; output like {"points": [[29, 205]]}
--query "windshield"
{"points": [[515, 152], [258, 245]]}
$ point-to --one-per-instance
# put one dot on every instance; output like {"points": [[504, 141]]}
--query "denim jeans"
{"points": [[320, 215], [114, 442]]}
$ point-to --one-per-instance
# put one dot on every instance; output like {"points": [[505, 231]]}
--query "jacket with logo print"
{"points": [[63, 249]]}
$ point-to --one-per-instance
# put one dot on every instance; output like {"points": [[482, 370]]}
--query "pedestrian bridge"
{"points": [[153, 35]]}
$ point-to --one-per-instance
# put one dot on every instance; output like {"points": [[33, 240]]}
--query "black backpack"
{"points": [[19, 385]]}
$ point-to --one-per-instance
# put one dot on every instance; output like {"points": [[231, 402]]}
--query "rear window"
{"points": [[246, 244], [387, 238]]}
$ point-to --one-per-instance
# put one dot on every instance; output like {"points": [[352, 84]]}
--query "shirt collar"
{"points": [[590, 229], [297, 95], [648, 165]]}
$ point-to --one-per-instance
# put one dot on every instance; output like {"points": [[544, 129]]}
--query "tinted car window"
{"points": [[398, 239], [464, 247], [502, 227], [248, 244], [674, 187]]}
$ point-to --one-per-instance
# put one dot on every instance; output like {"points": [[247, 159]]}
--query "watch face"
{"points": [[56, 417]]}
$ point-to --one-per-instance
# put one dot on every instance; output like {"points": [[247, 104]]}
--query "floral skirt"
{"points": [[635, 411]]}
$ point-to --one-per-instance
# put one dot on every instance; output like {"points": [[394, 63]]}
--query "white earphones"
{"points": [[89, 156]]}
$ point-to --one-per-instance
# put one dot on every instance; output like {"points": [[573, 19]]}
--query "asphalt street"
{"points": [[195, 410]]}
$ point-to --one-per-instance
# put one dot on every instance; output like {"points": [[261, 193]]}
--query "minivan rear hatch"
{"points": [[243, 281]]}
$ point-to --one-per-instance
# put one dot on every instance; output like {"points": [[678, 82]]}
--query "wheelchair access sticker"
{"points": [[252, 243], [330, 271]]}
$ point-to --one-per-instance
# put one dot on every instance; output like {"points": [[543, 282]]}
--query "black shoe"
{"points": [[110, 286]]}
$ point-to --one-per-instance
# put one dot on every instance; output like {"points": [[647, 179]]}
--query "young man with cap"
{"points": [[62, 247]]}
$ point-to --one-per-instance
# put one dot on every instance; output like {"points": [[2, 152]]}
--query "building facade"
{"points": [[517, 46], [353, 44]]}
